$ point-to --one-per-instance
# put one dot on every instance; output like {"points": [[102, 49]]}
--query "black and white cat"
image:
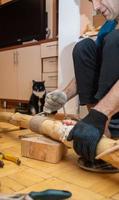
{"points": [[37, 98]]}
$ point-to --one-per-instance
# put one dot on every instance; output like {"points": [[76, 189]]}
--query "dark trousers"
{"points": [[96, 69]]}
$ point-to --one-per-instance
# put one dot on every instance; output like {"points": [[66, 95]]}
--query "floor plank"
{"points": [[34, 175]]}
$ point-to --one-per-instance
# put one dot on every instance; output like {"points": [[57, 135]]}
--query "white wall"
{"points": [[69, 31]]}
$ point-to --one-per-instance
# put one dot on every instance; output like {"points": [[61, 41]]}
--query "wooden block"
{"points": [[43, 148]]}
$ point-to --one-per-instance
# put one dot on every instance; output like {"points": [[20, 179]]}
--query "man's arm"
{"points": [[71, 89], [109, 105], [87, 132], [56, 99]]}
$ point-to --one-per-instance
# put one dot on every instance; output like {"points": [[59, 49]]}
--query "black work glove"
{"points": [[87, 133]]}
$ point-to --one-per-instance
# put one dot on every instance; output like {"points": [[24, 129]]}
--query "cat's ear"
{"points": [[33, 81]]}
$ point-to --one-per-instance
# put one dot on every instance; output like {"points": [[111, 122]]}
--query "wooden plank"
{"points": [[65, 175], [78, 193], [26, 178], [11, 184]]}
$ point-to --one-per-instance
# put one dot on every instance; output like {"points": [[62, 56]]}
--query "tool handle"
{"points": [[50, 194], [1, 164], [12, 158]]}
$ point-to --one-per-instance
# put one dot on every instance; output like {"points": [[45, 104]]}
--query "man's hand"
{"points": [[54, 101], [87, 133]]}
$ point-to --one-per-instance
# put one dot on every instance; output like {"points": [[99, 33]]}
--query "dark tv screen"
{"points": [[22, 20]]}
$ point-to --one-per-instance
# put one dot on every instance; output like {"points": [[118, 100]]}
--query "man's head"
{"points": [[108, 8]]}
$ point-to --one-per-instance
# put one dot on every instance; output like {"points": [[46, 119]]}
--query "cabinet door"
{"points": [[29, 68], [8, 75]]}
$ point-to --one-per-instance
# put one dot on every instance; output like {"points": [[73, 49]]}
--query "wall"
{"points": [[69, 31], [74, 15], [86, 13]]}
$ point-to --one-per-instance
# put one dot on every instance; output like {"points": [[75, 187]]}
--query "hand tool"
{"points": [[50, 194], [1, 164], [65, 114], [10, 158], [43, 195]]}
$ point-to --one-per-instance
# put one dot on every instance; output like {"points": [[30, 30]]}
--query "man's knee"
{"points": [[112, 39], [83, 46]]}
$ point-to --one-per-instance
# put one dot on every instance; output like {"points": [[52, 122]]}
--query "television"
{"points": [[21, 21]]}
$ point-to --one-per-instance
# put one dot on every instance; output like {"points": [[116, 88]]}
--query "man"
{"points": [[96, 66]]}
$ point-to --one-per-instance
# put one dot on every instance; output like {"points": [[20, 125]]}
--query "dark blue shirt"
{"points": [[105, 29]]}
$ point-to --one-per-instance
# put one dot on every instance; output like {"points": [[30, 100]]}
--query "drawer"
{"points": [[49, 49], [50, 64], [50, 89], [50, 79]]}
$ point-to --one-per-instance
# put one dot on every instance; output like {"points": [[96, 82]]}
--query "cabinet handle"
{"points": [[53, 45], [52, 61], [17, 58], [51, 76], [14, 58]]}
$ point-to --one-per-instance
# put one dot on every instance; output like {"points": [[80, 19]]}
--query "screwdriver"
{"points": [[10, 158], [1, 164], [50, 194]]}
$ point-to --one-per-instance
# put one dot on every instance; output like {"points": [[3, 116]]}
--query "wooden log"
{"points": [[39, 124], [58, 131], [16, 119], [108, 150], [5, 116], [52, 128], [43, 148]]}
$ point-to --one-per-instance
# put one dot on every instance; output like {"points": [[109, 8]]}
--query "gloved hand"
{"points": [[87, 133], [54, 101]]}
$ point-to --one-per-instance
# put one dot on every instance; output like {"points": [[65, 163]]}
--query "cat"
{"points": [[37, 98]]}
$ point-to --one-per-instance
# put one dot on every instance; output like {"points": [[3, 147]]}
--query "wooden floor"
{"points": [[35, 175]]}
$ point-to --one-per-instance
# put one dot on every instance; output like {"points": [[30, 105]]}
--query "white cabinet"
{"points": [[18, 67], [8, 77], [50, 64], [29, 68], [49, 55], [49, 49]]}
